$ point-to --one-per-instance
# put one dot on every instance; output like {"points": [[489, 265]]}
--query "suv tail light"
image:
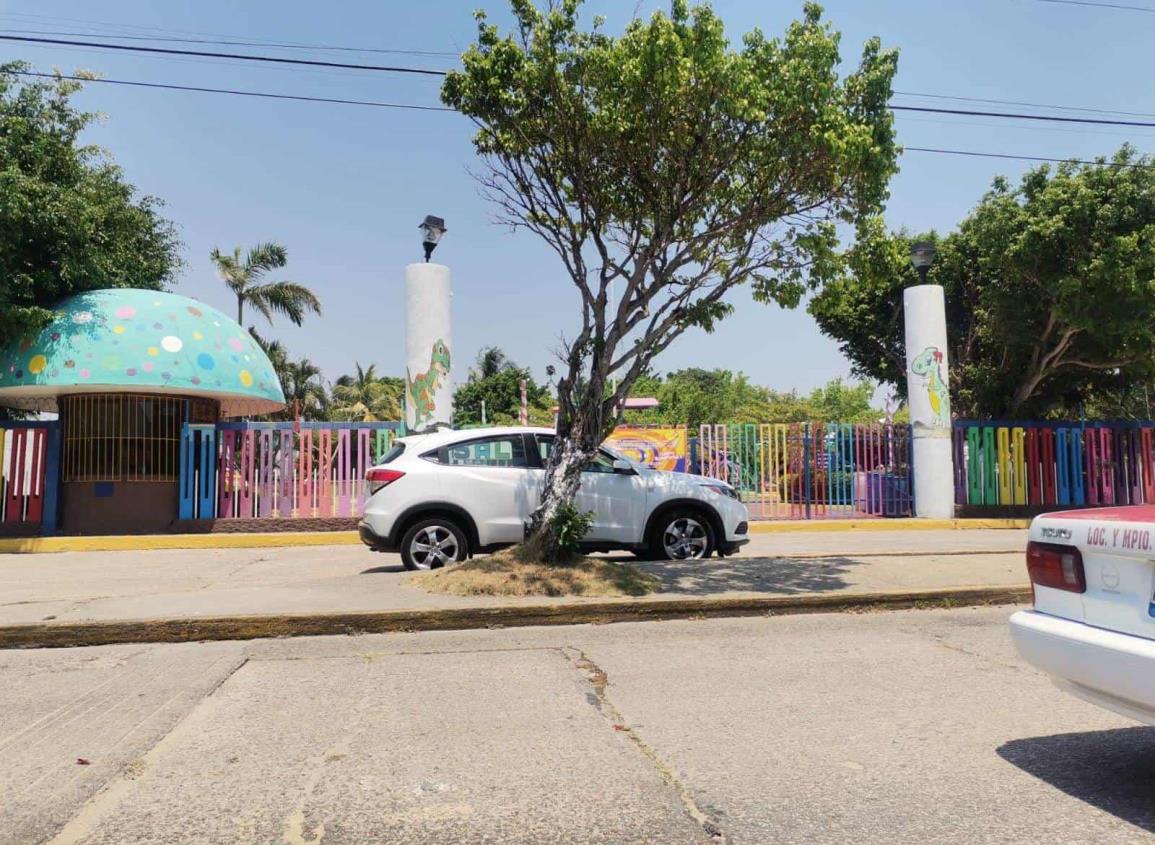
{"points": [[1060, 567], [379, 477]]}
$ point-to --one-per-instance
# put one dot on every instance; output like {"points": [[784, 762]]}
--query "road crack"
{"points": [[599, 681]]}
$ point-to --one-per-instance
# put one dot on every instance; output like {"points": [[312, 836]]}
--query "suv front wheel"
{"points": [[682, 535], [432, 543]]}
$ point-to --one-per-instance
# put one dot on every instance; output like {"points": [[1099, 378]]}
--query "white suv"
{"points": [[441, 497]]}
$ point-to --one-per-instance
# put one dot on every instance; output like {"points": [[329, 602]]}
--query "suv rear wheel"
{"points": [[432, 543], [682, 535]]}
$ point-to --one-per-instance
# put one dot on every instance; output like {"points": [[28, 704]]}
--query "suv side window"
{"points": [[504, 451], [602, 462]]}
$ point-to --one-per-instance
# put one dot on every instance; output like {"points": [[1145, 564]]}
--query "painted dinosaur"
{"points": [[928, 364], [421, 389]]}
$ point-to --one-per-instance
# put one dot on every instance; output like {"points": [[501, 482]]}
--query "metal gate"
{"points": [[812, 470], [29, 476]]}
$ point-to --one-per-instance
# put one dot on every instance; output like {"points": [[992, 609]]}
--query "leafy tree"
{"points": [[69, 222], [366, 397], [496, 381], [837, 401], [674, 168], [695, 396], [244, 275], [1050, 292]]}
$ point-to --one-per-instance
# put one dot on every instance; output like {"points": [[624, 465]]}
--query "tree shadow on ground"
{"points": [[751, 575], [1111, 770]]}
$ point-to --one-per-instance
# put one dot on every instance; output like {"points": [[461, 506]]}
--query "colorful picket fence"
{"points": [[811, 470], [29, 476], [1054, 463], [278, 470]]}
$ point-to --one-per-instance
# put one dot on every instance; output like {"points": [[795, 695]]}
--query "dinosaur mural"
{"points": [[421, 389], [928, 364]]}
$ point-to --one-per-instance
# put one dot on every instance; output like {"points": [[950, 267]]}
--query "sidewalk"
{"points": [[192, 584]]}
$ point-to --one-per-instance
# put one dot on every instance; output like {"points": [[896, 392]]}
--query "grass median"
{"points": [[507, 574]]}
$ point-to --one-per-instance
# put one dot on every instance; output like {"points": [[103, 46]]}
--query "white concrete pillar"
{"points": [[927, 383], [428, 347]]}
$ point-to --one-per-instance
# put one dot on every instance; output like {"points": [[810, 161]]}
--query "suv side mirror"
{"points": [[623, 467]]}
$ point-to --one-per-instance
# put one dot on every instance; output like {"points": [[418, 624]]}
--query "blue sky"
{"points": [[344, 187]]}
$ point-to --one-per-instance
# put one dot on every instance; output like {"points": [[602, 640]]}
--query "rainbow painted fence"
{"points": [[278, 470], [1007, 463], [811, 470]]}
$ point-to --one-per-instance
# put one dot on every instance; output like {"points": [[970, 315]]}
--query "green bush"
{"points": [[570, 527]]}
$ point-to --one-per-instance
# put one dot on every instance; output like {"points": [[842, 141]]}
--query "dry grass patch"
{"points": [[507, 574]]}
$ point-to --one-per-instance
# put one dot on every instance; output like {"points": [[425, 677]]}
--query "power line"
{"points": [[413, 107], [1022, 103], [237, 93], [1097, 121], [213, 55], [1023, 157], [279, 45], [1100, 5]]}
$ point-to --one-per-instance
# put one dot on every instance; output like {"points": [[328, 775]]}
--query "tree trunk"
{"points": [[563, 476], [240, 310]]}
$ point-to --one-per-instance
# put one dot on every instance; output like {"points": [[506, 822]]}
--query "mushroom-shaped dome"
{"points": [[127, 340]]}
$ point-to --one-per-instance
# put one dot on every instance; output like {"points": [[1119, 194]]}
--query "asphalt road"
{"points": [[908, 727]]}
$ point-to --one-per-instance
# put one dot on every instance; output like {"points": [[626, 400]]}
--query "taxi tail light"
{"points": [[379, 477], [1055, 566]]}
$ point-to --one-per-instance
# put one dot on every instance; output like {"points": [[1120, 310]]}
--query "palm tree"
{"points": [[305, 390], [244, 278], [492, 360], [367, 397], [300, 381]]}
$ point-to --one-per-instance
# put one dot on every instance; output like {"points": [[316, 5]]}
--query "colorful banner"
{"points": [[660, 448]]}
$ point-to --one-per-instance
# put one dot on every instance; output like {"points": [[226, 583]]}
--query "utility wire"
{"points": [[1100, 5], [278, 45], [1022, 103], [1097, 121], [377, 104], [213, 55], [1023, 158], [238, 93]]}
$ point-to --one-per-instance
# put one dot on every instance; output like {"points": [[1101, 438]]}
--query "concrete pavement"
{"points": [[906, 727], [75, 587]]}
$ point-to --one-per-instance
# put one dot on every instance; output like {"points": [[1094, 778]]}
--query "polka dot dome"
{"points": [[140, 341]]}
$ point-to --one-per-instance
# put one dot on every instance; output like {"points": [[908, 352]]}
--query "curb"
{"points": [[149, 542], [273, 539], [824, 525], [69, 635]]}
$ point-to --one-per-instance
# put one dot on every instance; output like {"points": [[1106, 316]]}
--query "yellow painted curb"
{"points": [[824, 525], [271, 539]]}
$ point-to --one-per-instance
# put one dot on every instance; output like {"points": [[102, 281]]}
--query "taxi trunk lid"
{"points": [[1118, 552]]}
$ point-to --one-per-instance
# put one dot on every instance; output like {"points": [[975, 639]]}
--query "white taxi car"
{"points": [[1092, 628], [441, 497]]}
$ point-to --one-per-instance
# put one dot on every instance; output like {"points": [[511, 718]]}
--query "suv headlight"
{"points": [[720, 489]]}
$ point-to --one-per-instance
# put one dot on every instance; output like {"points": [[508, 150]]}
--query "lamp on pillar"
{"points": [[428, 337], [922, 256], [928, 390], [432, 228]]}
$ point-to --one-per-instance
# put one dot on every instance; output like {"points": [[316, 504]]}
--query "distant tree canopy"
{"points": [[1050, 292], [695, 396], [496, 381], [364, 396], [69, 222]]}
